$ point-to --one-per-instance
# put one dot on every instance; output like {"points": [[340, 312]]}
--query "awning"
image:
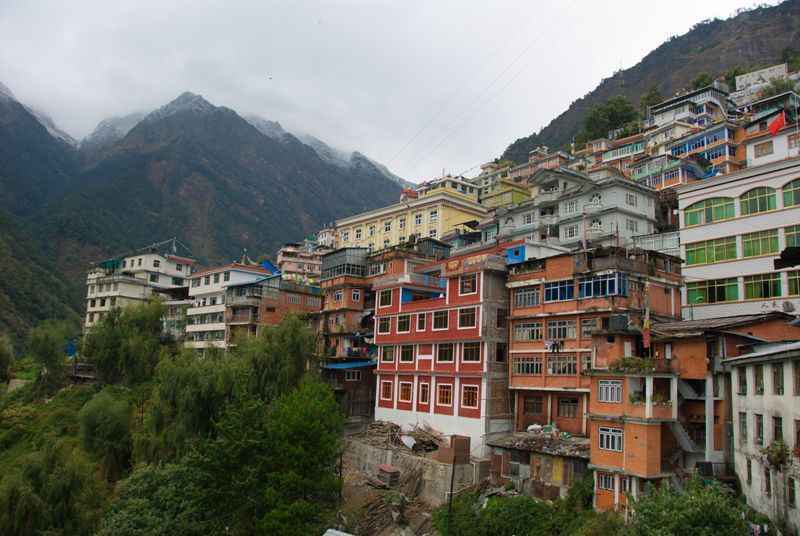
{"points": [[361, 363]]}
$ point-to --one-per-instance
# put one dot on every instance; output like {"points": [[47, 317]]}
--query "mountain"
{"points": [[108, 132], [751, 39]]}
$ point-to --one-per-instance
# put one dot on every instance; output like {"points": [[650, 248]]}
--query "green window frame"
{"points": [[757, 200], [709, 210], [710, 251], [791, 193], [760, 243], [712, 291], [794, 284], [792, 236], [762, 286]]}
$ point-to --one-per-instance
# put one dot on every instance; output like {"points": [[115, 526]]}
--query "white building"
{"points": [[206, 325], [766, 408], [732, 228], [132, 279]]}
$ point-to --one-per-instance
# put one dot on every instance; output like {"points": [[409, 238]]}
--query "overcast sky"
{"points": [[418, 85]]}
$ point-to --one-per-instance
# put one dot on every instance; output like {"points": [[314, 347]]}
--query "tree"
{"points": [[46, 346], [6, 357], [731, 74], [617, 112], [791, 57], [651, 98], [125, 346], [703, 509], [702, 80], [105, 432], [776, 87]]}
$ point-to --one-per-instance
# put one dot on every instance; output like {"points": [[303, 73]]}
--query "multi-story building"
{"points": [[761, 146], [717, 144], [732, 228], [623, 152], [442, 348], [435, 208], [701, 107], [505, 192], [301, 262], [206, 326], [570, 209], [666, 171], [134, 279], [766, 412]]}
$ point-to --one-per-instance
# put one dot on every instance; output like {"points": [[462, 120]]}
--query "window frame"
{"points": [[401, 355], [446, 322], [385, 292], [609, 388], [406, 319], [410, 386], [391, 353], [424, 318], [471, 348], [452, 352], [465, 278], [470, 386], [757, 201], [614, 437], [352, 375], [426, 391], [390, 383], [388, 320], [439, 389], [467, 310]]}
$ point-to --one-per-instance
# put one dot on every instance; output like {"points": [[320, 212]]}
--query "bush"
{"points": [[105, 432], [46, 347], [6, 357]]}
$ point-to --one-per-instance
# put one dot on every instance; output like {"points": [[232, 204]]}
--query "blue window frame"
{"points": [[615, 284], [559, 290]]}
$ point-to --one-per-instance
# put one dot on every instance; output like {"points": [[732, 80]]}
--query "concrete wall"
{"points": [[435, 481]]}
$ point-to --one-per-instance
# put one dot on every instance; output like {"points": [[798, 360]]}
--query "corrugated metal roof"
{"points": [[718, 323], [350, 364]]}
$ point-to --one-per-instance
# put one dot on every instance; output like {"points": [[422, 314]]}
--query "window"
{"points": [[345, 236], [417, 219], [385, 298], [387, 226], [630, 199], [467, 318], [763, 149], [749, 472], [528, 331], [710, 210], [352, 375], [156, 263], [559, 290], [502, 318], [469, 396], [712, 291], [527, 366], [533, 405], [759, 433], [407, 353], [757, 200], [610, 391], [711, 251], [762, 286], [572, 206], [401, 223], [405, 392], [501, 352], [527, 219], [605, 481], [603, 285], [611, 439], [196, 282], [139, 263], [588, 326], [561, 329], [440, 319], [777, 378], [432, 233], [794, 141], [791, 190], [444, 394], [386, 390], [794, 282], [759, 374], [742, 427], [337, 295], [387, 356], [424, 393], [526, 296], [760, 243], [562, 365], [777, 428], [358, 233], [384, 325], [433, 216], [226, 276], [468, 284], [403, 323], [631, 225], [356, 295], [568, 407], [741, 375], [444, 352], [571, 231], [767, 479], [154, 278], [177, 281], [472, 351], [421, 322], [791, 496]]}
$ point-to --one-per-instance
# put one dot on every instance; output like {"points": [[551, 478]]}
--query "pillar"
{"points": [[648, 397], [673, 396], [709, 447]]}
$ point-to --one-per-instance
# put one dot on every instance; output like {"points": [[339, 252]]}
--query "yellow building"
{"points": [[433, 209], [504, 193]]}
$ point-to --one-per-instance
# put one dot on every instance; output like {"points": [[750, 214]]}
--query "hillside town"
{"points": [[626, 308]]}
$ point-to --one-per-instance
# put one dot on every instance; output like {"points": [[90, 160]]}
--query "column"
{"points": [[709, 447], [549, 408], [673, 396], [585, 413], [648, 397], [616, 489]]}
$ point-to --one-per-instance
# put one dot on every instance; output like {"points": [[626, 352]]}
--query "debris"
{"points": [[389, 475]]}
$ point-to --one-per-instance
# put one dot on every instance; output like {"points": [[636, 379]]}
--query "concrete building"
{"points": [[134, 278], [701, 107], [301, 262], [766, 410], [433, 209], [763, 147], [732, 227]]}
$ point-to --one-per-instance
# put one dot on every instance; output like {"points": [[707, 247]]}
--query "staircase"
{"points": [[686, 442], [687, 391]]}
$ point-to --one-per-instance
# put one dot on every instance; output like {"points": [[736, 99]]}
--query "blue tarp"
{"points": [[351, 364]]}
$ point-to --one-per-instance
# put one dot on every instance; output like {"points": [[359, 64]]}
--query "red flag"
{"points": [[777, 123]]}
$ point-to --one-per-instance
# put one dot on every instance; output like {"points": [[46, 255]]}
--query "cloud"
{"points": [[365, 75]]}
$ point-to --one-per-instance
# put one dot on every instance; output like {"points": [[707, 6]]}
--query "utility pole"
{"points": [[450, 498]]}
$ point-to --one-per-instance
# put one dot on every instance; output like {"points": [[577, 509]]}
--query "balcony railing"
{"points": [[412, 279]]}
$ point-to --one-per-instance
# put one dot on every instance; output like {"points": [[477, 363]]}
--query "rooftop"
{"points": [[545, 443], [716, 324]]}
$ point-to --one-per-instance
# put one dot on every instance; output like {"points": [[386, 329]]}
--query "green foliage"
{"points": [[617, 112], [703, 510], [777, 454], [632, 364], [46, 346], [6, 357], [125, 345], [53, 492], [105, 432], [602, 524], [732, 73], [651, 98], [776, 87], [702, 80], [792, 58]]}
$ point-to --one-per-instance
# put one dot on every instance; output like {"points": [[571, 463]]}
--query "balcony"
{"points": [[423, 280], [252, 300], [243, 318], [546, 196]]}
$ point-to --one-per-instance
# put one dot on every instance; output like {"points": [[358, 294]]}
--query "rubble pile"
{"points": [[420, 439]]}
